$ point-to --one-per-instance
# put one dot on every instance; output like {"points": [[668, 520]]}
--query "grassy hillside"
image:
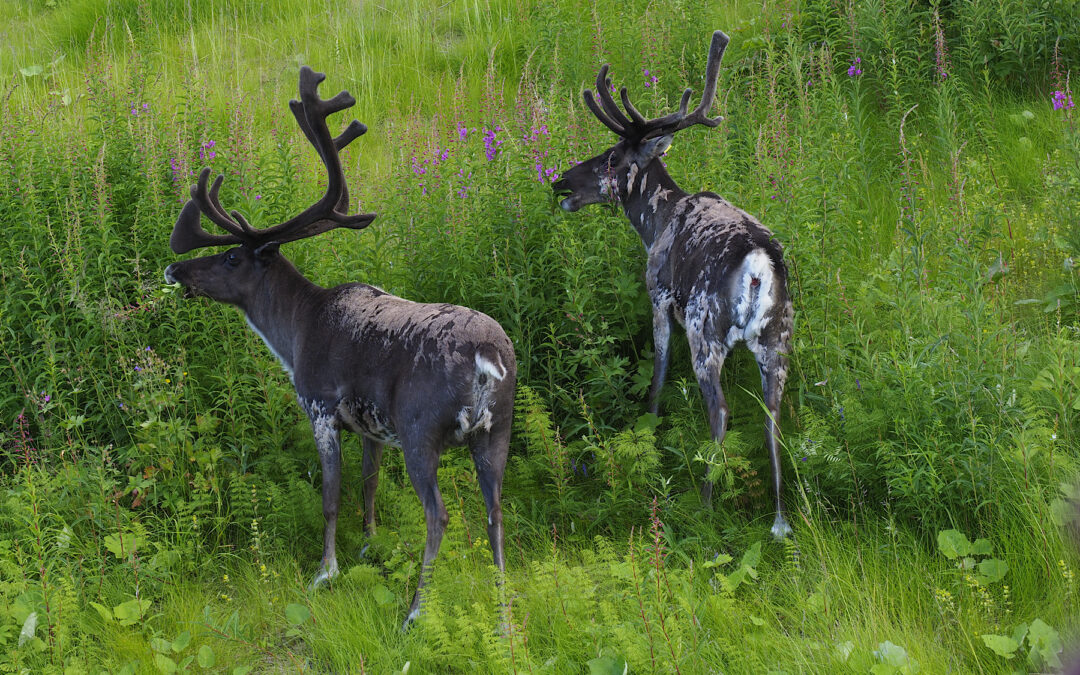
{"points": [[920, 162]]}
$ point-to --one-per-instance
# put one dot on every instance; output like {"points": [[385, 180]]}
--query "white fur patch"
{"points": [[284, 364], [495, 370], [753, 289], [631, 176], [322, 425], [658, 194]]}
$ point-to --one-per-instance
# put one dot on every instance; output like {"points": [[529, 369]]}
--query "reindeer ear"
{"points": [[267, 250], [654, 147]]}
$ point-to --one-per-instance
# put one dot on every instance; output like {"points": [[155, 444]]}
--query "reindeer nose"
{"points": [[169, 278]]}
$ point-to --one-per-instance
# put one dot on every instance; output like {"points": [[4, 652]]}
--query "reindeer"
{"points": [[711, 266], [417, 376]]}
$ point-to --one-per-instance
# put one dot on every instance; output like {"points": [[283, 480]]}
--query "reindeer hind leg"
{"points": [[772, 363], [422, 464]]}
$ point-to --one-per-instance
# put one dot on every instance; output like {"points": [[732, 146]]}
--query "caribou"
{"points": [[417, 376], [710, 265]]}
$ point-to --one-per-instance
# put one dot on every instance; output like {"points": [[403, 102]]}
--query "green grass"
{"points": [[160, 485]]}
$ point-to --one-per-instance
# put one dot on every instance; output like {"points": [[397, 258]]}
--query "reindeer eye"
{"points": [[231, 260]]}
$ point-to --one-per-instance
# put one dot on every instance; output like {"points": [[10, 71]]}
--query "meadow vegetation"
{"points": [[920, 161]]}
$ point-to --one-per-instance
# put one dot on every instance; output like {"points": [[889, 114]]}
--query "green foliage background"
{"points": [[159, 480]]}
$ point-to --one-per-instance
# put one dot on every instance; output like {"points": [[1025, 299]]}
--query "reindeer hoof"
{"points": [[326, 573], [780, 528], [409, 619]]}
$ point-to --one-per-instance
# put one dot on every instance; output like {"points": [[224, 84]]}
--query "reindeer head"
{"points": [[235, 274], [640, 140]]}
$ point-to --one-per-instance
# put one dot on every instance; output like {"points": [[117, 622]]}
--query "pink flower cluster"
{"points": [[1061, 100]]}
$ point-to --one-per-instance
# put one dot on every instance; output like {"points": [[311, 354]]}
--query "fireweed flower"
{"points": [[650, 80], [1061, 100], [206, 152], [856, 68], [491, 143]]}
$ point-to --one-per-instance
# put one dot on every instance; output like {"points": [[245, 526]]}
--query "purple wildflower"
{"points": [[1061, 100], [491, 143], [856, 68]]}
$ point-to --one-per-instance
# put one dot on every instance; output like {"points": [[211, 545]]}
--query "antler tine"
{"points": [[188, 234], [601, 115], [603, 92], [331, 211], [712, 70], [216, 212], [638, 118]]}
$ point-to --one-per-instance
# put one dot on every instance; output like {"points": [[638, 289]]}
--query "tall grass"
{"points": [[161, 490]]}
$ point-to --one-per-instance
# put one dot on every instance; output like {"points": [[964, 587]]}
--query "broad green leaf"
{"points": [[160, 645], [297, 614], [993, 569], [181, 642], [206, 656], [104, 611], [383, 595], [31, 71], [129, 613], [241, 670], [891, 654], [752, 556], [720, 559], [646, 422], [757, 621], [1001, 645], [736, 578], [164, 664], [1020, 632], [981, 547], [606, 665], [953, 544], [1045, 642], [123, 545]]}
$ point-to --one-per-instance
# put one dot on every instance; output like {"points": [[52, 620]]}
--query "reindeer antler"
{"points": [[330, 212], [636, 127]]}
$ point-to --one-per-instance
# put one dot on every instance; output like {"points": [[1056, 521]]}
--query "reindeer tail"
{"points": [[490, 370]]}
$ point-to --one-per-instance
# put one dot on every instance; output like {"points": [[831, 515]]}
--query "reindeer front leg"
{"points": [[707, 360], [371, 462], [328, 443], [661, 345]]}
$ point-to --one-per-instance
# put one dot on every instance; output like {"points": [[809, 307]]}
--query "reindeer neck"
{"points": [[648, 195], [281, 307]]}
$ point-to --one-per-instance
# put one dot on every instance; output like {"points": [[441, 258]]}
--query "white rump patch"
{"points": [[753, 290], [495, 370]]}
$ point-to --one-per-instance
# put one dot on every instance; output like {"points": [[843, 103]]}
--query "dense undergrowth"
{"points": [[920, 162]]}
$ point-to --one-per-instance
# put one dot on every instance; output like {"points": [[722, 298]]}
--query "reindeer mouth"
{"points": [[187, 291], [562, 190]]}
